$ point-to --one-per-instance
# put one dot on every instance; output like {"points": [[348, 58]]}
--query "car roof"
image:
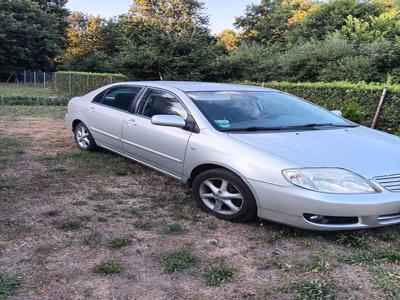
{"points": [[194, 86]]}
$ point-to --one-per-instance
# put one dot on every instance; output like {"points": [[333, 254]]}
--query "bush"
{"points": [[79, 83], [357, 101], [22, 100]]}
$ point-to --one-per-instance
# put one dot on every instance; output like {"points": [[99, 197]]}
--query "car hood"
{"points": [[362, 150]]}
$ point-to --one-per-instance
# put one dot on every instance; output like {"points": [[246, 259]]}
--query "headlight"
{"points": [[329, 180]]}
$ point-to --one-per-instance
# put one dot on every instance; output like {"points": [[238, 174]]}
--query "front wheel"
{"points": [[83, 138], [224, 195]]}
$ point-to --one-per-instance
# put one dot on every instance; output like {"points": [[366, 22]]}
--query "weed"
{"points": [[70, 225], [212, 225], [178, 261], [160, 200], [8, 285], [5, 183], [360, 258], [217, 275], [320, 264], [388, 281], [93, 239], [391, 256], [173, 229], [353, 240], [119, 242], [315, 290], [145, 225], [109, 268]]}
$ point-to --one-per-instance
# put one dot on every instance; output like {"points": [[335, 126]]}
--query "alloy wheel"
{"points": [[221, 196]]}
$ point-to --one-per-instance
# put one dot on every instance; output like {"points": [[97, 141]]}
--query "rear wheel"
{"points": [[83, 138], [224, 195]]}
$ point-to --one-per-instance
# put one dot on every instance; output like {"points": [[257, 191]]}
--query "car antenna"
{"points": [[159, 73]]}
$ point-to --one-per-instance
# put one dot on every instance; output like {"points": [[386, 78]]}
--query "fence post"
{"points": [[111, 79], [69, 83], [34, 77], [87, 83], [24, 77], [44, 79], [55, 81]]}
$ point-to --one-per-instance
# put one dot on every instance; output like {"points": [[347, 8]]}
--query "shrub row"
{"points": [[358, 102], [22, 100], [80, 83]]}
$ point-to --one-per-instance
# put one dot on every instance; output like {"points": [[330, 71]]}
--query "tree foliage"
{"points": [[31, 34]]}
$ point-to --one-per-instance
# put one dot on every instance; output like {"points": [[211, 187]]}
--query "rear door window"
{"points": [[120, 97]]}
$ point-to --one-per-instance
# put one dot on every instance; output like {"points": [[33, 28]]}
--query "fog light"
{"points": [[330, 220]]}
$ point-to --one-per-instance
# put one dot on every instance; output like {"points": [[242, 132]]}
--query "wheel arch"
{"points": [[75, 123], [205, 167]]}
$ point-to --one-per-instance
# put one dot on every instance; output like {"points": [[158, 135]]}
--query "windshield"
{"points": [[241, 110]]}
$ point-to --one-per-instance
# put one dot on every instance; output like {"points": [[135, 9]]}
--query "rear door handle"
{"points": [[131, 122], [91, 109]]}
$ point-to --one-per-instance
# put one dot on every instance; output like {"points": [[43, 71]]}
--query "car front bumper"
{"points": [[288, 204]]}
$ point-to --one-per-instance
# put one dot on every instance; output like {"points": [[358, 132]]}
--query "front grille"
{"points": [[389, 182]]}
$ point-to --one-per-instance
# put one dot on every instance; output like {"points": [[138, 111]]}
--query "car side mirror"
{"points": [[337, 112], [168, 120]]}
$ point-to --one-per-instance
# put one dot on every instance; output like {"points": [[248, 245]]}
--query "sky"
{"points": [[222, 12]]}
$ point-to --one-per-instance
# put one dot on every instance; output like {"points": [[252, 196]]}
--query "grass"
{"points": [[92, 240], [108, 268], [173, 228], [353, 240], [320, 264], [18, 112], [119, 242], [70, 225], [8, 285], [388, 281], [80, 203], [178, 261], [21, 90], [5, 183], [11, 148], [145, 225], [315, 290], [219, 274]]}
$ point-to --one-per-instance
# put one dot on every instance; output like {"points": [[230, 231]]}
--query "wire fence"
{"points": [[68, 83]]}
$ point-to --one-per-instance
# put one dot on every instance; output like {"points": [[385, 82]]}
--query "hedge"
{"points": [[80, 83], [351, 98], [22, 100]]}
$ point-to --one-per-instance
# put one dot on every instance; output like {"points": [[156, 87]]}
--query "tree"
{"points": [[331, 16], [270, 21], [167, 37], [229, 38], [29, 36]]}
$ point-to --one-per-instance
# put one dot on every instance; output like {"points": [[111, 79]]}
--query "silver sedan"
{"points": [[249, 151]]}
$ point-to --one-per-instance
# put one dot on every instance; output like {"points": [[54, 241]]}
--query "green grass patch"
{"points": [[22, 90], [70, 225], [353, 240], [119, 242], [9, 285], [16, 112], [145, 225], [388, 281], [173, 228], [178, 261], [315, 290], [5, 183], [109, 268], [217, 275]]}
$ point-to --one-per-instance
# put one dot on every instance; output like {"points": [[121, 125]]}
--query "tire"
{"points": [[224, 195], [83, 138]]}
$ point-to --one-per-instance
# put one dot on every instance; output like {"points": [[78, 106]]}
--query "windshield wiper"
{"points": [[305, 126]]}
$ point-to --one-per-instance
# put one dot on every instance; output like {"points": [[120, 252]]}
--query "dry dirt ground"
{"points": [[64, 214]]}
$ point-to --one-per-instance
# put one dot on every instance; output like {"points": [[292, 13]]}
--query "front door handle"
{"points": [[91, 109], [131, 122]]}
